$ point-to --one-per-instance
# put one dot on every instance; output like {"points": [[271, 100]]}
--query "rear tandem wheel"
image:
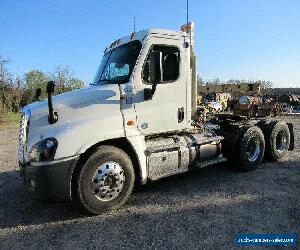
{"points": [[252, 149]]}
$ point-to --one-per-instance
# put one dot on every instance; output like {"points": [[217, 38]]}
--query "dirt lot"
{"points": [[201, 209]]}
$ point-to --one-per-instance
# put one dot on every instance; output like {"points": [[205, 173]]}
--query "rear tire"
{"points": [[252, 147], [277, 140], [105, 180]]}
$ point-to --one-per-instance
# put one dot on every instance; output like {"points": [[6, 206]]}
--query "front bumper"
{"points": [[50, 181]]}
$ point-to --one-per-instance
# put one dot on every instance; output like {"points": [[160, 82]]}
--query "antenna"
{"points": [[134, 23], [187, 20], [187, 12]]}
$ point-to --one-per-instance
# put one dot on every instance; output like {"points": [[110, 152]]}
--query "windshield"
{"points": [[116, 65]]}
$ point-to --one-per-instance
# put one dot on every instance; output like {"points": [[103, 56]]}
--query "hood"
{"points": [[80, 102]]}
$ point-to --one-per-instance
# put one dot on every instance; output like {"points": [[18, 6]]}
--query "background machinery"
{"points": [[241, 98]]}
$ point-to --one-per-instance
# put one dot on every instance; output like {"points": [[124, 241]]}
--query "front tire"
{"points": [[105, 180], [252, 147]]}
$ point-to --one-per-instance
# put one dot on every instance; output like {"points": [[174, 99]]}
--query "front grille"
{"points": [[21, 139], [23, 133]]}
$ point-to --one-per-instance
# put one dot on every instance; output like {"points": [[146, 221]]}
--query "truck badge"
{"points": [[129, 100]]}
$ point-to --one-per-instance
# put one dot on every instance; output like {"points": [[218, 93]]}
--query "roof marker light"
{"points": [[186, 28]]}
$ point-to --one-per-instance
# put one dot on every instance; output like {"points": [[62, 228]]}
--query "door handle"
{"points": [[180, 114]]}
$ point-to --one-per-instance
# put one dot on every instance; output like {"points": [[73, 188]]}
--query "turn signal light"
{"points": [[130, 123]]}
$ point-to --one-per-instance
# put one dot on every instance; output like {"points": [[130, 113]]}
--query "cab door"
{"points": [[166, 110]]}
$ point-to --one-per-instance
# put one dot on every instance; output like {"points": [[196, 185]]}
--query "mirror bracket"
{"points": [[155, 73], [148, 94]]}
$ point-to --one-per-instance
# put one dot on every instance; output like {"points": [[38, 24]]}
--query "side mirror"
{"points": [[50, 87], [52, 118], [148, 93], [38, 93], [155, 73]]}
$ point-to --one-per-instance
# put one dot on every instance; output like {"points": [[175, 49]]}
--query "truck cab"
{"points": [[135, 123]]}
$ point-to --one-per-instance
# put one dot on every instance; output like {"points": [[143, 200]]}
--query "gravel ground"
{"points": [[201, 209]]}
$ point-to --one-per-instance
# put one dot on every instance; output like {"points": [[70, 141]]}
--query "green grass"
{"points": [[9, 118]]}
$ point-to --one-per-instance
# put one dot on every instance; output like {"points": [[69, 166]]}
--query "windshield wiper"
{"points": [[119, 79], [107, 80]]}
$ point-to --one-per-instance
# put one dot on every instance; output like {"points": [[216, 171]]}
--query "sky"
{"points": [[239, 39]]}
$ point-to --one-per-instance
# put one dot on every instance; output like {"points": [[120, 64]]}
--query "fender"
{"points": [[89, 133], [139, 146]]}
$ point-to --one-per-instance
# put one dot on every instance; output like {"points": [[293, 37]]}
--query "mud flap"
{"points": [[292, 136]]}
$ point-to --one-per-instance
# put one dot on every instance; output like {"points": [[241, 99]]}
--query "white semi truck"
{"points": [[137, 122]]}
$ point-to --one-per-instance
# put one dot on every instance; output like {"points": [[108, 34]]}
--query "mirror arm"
{"points": [[154, 87]]}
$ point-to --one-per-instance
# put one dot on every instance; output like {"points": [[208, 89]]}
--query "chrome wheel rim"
{"points": [[108, 181], [281, 141], [253, 149]]}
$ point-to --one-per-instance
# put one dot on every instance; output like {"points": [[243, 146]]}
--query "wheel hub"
{"points": [[108, 181], [253, 149], [281, 141]]}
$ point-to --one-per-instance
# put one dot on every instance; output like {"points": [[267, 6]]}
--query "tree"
{"points": [[65, 79], [215, 81], [265, 84], [62, 76], [75, 83], [35, 79], [4, 74], [9, 88], [200, 81], [237, 81], [16, 92]]}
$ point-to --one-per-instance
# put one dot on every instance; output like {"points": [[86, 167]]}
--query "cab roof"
{"points": [[140, 35]]}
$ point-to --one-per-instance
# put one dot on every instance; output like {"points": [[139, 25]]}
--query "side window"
{"points": [[170, 63]]}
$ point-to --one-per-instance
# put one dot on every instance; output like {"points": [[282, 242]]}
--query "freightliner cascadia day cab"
{"points": [[137, 122]]}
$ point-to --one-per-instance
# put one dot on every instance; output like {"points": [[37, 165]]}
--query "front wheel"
{"points": [[252, 147], [105, 180]]}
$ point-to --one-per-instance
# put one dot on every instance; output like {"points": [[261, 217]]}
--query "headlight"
{"points": [[43, 150]]}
